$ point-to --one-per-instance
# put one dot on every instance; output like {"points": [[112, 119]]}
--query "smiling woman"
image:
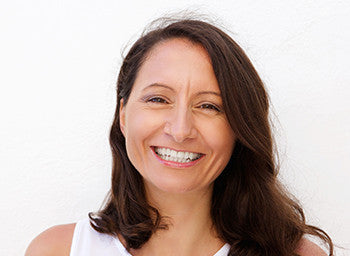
{"points": [[193, 159]]}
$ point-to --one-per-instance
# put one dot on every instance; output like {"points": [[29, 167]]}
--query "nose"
{"points": [[180, 125]]}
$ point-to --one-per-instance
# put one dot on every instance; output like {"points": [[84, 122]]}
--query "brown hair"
{"points": [[250, 209]]}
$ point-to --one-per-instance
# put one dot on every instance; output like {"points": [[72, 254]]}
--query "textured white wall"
{"points": [[58, 65]]}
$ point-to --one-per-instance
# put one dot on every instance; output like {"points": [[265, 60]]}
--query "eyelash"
{"points": [[160, 100], [210, 107], [156, 100]]}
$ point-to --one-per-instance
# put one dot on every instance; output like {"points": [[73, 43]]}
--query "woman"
{"points": [[193, 159]]}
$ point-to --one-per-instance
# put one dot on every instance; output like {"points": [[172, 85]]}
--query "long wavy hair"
{"points": [[250, 209]]}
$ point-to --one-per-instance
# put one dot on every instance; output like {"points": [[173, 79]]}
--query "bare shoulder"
{"points": [[55, 241], [308, 248]]}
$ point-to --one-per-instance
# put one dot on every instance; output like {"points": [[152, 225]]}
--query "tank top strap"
{"points": [[88, 242]]}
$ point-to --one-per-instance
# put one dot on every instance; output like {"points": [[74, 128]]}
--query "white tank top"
{"points": [[88, 242]]}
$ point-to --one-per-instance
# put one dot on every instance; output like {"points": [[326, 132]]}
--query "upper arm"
{"points": [[55, 241], [308, 248]]}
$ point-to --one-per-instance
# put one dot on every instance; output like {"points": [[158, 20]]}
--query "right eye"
{"points": [[157, 100]]}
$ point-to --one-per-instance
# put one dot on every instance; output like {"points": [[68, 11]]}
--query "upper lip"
{"points": [[179, 150]]}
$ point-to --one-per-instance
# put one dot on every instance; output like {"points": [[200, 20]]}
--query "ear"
{"points": [[122, 116]]}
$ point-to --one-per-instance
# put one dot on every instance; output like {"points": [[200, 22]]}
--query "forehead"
{"points": [[178, 62], [174, 46]]}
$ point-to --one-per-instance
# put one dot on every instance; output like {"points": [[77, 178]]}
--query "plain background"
{"points": [[59, 63]]}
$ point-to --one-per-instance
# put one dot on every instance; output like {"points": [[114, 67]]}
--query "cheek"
{"points": [[139, 126], [139, 121], [221, 138]]}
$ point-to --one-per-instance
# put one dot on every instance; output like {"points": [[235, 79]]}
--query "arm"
{"points": [[55, 241]]}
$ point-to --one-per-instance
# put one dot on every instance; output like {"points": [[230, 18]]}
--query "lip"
{"points": [[175, 164]]}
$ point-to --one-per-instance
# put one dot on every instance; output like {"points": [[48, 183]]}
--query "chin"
{"points": [[171, 185]]}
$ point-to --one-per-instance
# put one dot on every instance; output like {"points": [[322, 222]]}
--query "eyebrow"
{"points": [[172, 89], [158, 85]]}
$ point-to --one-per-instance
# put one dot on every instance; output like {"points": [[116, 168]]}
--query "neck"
{"points": [[190, 228], [177, 205]]}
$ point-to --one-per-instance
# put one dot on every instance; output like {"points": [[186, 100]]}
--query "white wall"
{"points": [[59, 61]]}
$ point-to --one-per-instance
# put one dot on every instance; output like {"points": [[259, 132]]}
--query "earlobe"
{"points": [[122, 116]]}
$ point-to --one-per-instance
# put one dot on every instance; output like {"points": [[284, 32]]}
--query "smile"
{"points": [[168, 154]]}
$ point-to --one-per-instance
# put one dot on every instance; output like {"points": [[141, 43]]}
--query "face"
{"points": [[177, 135]]}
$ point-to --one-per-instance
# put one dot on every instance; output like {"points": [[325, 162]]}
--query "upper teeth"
{"points": [[176, 156]]}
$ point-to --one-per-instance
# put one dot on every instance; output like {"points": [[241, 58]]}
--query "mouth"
{"points": [[175, 156]]}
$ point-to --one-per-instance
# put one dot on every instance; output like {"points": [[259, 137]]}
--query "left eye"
{"points": [[157, 100], [210, 107]]}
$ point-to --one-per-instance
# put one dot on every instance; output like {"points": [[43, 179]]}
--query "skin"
{"points": [[175, 103], [55, 241]]}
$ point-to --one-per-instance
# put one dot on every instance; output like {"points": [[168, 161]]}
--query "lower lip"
{"points": [[176, 164]]}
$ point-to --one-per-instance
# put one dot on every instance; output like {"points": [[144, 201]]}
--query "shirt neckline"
{"points": [[223, 251]]}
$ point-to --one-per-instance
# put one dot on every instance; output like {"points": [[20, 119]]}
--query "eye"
{"points": [[210, 107], [156, 100]]}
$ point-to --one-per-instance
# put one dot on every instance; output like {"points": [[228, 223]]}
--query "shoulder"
{"points": [[55, 241], [308, 248]]}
